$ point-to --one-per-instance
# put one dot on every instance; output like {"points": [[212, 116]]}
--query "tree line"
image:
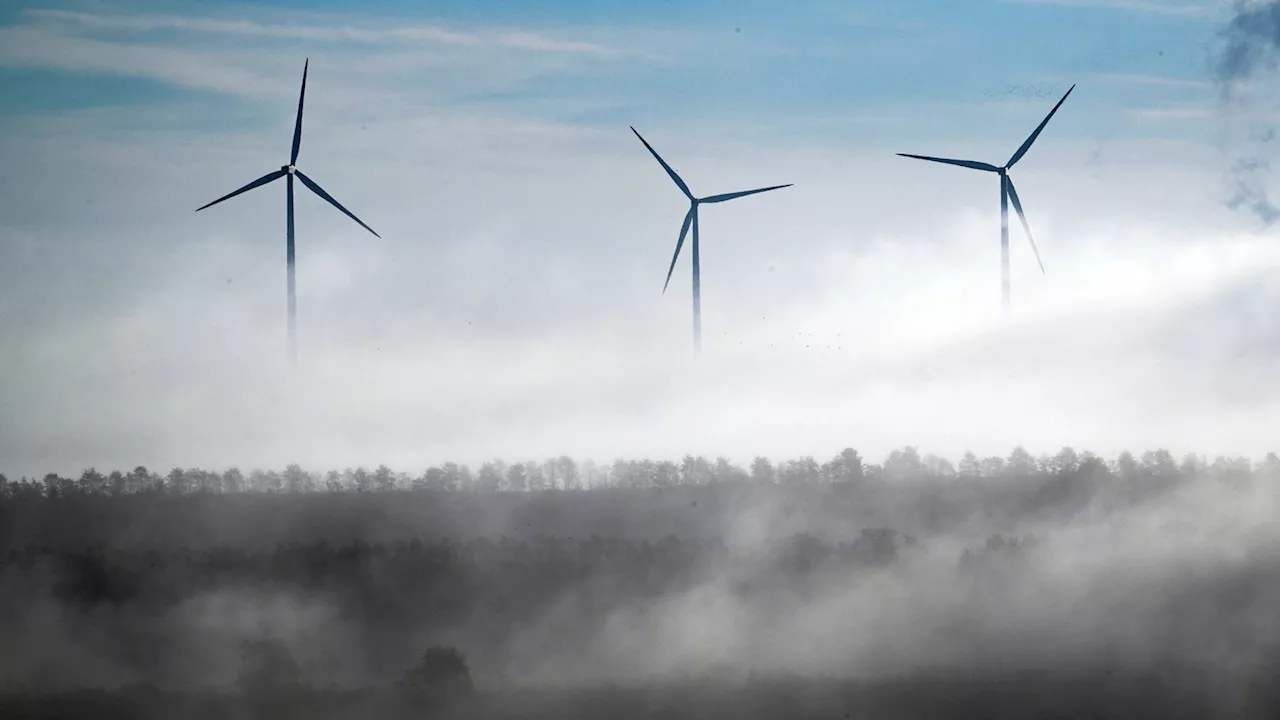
{"points": [[567, 474]]}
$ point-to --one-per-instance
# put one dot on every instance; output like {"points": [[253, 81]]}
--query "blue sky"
{"points": [[513, 305], [812, 64]]}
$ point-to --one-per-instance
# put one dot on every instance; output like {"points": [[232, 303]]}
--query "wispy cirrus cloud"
{"points": [[1151, 80], [1181, 8], [341, 32], [29, 47], [373, 61], [1164, 114]]}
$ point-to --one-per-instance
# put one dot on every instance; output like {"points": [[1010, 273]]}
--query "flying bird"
{"points": [[1007, 194], [290, 171], [691, 220]]}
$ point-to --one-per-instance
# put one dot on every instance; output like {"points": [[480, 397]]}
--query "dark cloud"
{"points": [[1251, 37], [1249, 189], [1250, 41]]}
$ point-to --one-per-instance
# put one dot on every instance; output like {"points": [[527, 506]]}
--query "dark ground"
{"points": [[133, 606], [994, 698]]}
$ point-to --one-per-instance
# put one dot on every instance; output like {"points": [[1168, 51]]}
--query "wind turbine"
{"points": [[1007, 194], [290, 171], [691, 219]]}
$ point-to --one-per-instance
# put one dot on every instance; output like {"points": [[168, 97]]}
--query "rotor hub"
{"points": [[290, 169]]}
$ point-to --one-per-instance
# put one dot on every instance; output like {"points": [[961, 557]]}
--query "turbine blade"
{"points": [[679, 183], [1036, 133], [297, 126], [275, 175], [320, 191], [744, 193], [1017, 206], [684, 229], [971, 164]]}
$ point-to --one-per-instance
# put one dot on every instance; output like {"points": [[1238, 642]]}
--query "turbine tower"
{"points": [[1007, 194], [691, 220], [290, 171]]}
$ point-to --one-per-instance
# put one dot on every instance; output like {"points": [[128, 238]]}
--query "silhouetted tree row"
{"points": [[565, 473]]}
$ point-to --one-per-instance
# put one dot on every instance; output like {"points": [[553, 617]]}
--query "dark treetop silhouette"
{"points": [[290, 171], [691, 218], [1007, 194]]}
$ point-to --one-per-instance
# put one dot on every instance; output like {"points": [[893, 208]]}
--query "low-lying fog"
{"points": [[1077, 572]]}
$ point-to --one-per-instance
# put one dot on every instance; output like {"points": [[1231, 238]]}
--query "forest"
{"points": [[1064, 585], [565, 473]]}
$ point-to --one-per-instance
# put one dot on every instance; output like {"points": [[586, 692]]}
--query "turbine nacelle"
{"points": [[290, 171], [691, 223], [1008, 193]]}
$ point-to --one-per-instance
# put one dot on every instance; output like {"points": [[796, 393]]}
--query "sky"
{"points": [[513, 306]]}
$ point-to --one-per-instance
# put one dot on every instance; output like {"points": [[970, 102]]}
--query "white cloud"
{"points": [[395, 68], [30, 47], [518, 312], [342, 31]]}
